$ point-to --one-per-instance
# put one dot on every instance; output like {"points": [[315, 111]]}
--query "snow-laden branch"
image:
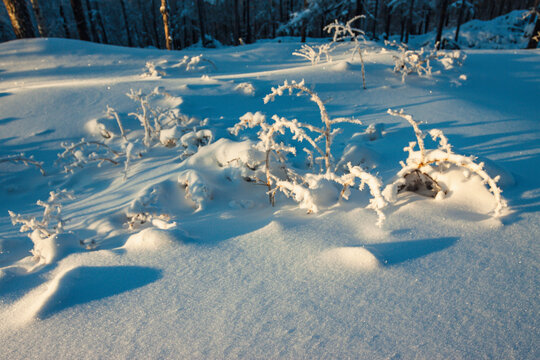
{"points": [[22, 159], [419, 164]]}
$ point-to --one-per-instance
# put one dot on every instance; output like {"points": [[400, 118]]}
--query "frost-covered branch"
{"points": [[195, 63], [111, 113], [22, 159], [78, 155]]}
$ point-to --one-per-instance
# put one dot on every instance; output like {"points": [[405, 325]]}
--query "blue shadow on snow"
{"points": [[88, 283], [401, 251]]}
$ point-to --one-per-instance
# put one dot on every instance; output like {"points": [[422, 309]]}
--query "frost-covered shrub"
{"points": [[158, 111], [22, 159], [153, 70], [144, 211], [304, 187], [245, 88], [343, 33], [326, 132], [315, 53], [418, 172], [270, 147], [411, 61], [80, 154], [46, 232], [420, 62], [197, 63], [195, 188], [162, 122]]}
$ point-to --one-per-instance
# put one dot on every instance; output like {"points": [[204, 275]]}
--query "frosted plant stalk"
{"points": [[21, 158]]}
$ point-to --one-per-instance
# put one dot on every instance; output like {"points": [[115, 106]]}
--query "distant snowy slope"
{"points": [[509, 31]]}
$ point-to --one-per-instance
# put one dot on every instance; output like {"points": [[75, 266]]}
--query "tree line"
{"points": [[176, 24]]}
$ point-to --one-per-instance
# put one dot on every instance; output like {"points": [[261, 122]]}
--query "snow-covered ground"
{"points": [[216, 272]]}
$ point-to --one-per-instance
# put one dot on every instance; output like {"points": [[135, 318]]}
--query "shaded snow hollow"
{"points": [[210, 270]]}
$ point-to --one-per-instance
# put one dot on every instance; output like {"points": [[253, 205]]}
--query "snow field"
{"points": [[212, 270]]}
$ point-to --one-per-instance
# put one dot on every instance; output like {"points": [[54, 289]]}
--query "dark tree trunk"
{"points": [[154, 10], [42, 24], [91, 20], [387, 25], [249, 32], [20, 18], [80, 19], [374, 26], [200, 9], [442, 15], [359, 8], [64, 22], [99, 19], [304, 25], [388, 20], [236, 27], [460, 19], [165, 11], [533, 41], [148, 38], [402, 32], [126, 22], [409, 21], [427, 18]]}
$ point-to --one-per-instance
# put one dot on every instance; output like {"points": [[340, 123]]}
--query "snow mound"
{"points": [[353, 258], [150, 239]]}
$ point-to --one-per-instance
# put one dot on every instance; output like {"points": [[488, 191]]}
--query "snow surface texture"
{"points": [[184, 258]]}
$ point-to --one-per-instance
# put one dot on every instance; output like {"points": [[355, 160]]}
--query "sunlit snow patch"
{"points": [[354, 258], [149, 239]]}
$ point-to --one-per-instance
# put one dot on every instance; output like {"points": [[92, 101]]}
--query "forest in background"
{"points": [[176, 24]]}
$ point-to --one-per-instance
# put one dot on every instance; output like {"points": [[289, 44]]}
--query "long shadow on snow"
{"points": [[401, 251], [16, 282], [87, 283]]}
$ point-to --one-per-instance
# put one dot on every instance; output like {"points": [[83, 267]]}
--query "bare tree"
{"points": [[442, 15], [80, 19], [533, 41], [236, 27], [20, 18], [42, 24], [126, 22], [304, 25], [165, 11], [409, 21], [200, 8]]}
